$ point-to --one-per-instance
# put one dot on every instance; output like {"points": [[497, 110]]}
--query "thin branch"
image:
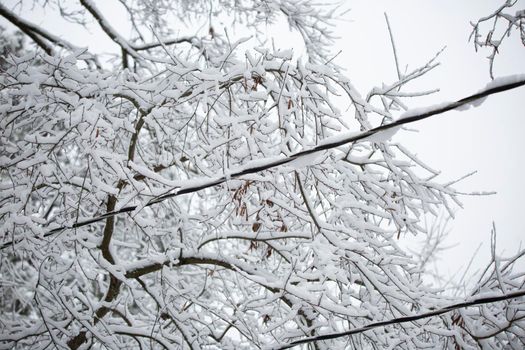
{"points": [[394, 50], [475, 302], [109, 30], [168, 42]]}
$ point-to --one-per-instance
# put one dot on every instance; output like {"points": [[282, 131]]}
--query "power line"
{"points": [[480, 301]]}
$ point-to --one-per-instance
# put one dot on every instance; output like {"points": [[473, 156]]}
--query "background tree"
{"points": [[204, 191]]}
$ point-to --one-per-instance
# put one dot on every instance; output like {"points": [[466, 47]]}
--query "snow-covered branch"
{"points": [[501, 24], [499, 85]]}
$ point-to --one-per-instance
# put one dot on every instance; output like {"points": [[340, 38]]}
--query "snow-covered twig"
{"points": [[497, 86]]}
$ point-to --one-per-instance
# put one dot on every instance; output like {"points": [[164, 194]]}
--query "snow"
{"points": [[304, 161], [505, 80], [495, 83], [423, 110], [339, 137], [143, 170], [476, 103], [383, 136], [284, 54]]}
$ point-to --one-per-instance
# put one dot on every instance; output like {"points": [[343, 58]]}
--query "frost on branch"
{"points": [[284, 253], [490, 31]]}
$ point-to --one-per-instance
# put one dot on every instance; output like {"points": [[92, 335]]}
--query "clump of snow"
{"points": [[423, 110], [506, 80], [306, 160], [337, 138], [476, 103], [383, 136]]}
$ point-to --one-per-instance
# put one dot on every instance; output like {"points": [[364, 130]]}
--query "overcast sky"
{"points": [[487, 139]]}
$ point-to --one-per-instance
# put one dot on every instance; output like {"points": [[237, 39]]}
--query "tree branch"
{"points": [[148, 46], [109, 30]]}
